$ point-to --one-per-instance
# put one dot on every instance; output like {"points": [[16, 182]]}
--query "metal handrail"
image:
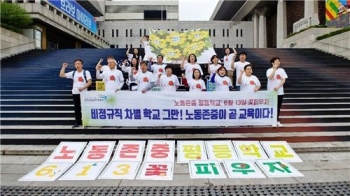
{"points": [[18, 45]]}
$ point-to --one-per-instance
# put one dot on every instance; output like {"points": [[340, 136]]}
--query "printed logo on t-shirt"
{"points": [[111, 78], [80, 79], [171, 83], [198, 86], [145, 79], [278, 77], [226, 59], [252, 82], [225, 82], [160, 70], [135, 72]]}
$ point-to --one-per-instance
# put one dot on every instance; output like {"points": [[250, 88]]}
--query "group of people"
{"points": [[146, 75]]}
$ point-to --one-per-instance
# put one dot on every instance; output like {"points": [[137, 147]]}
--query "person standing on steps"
{"points": [[81, 81], [239, 67], [113, 78], [229, 59], [276, 77]]}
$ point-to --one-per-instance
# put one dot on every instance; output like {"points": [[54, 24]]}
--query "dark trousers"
{"points": [[279, 104], [77, 109]]}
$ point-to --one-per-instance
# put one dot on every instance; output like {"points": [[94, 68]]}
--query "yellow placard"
{"points": [[100, 86]]}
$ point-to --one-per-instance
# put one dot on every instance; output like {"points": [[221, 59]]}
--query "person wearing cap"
{"points": [[239, 67]]}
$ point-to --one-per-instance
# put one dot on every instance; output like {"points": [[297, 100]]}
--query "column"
{"points": [[262, 27], [281, 22], [311, 10], [256, 30]]}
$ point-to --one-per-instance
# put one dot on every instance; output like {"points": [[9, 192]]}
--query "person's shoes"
{"points": [[279, 124], [76, 126], [274, 125]]}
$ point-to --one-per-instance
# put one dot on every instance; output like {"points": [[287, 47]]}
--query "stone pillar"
{"points": [[311, 10], [256, 30], [262, 27], [281, 22]]}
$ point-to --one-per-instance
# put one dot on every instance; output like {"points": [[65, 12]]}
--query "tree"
{"points": [[14, 17]]}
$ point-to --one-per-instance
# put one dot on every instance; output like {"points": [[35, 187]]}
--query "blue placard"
{"points": [[77, 12]]}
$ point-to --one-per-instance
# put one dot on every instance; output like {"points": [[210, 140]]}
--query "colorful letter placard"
{"points": [[98, 151], [280, 150], [66, 152], [129, 151], [205, 169], [46, 172], [242, 169], [220, 150], [249, 150], [121, 170], [190, 150], [156, 171], [274, 168], [84, 171], [160, 151]]}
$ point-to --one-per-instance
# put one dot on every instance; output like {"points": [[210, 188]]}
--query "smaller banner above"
{"points": [[156, 171], [220, 150], [66, 152], [98, 151], [121, 170], [47, 172], [249, 150], [205, 169], [160, 151], [242, 169], [280, 150], [190, 150], [275, 168], [84, 171], [129, 151]]}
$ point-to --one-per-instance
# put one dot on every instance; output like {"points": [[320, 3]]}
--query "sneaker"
{"points": [[279, 124], [274, 125], [76, 126]]}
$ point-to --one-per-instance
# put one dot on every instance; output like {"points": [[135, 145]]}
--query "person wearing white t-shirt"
{"points": [[213, 65], [229, 59], [134, 55], [196, 84], [276, 77], [248, 82], [169, 81], [145, 42], [190, 66], [158, 68], [81, 81], [144, 78], [131, 70], [113, 78], [222, 82], [239, 66]]}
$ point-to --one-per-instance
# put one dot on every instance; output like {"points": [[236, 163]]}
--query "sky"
{"points": [[196, 10]]}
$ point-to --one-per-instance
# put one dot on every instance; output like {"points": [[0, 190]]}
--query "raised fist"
{"points": [[64, 65]]}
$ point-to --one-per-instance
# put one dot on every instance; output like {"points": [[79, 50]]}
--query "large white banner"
{"points": [[178, 108]]}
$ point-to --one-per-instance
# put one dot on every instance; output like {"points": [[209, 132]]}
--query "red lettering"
{"points": [[159, 151], [156, 170], [129, 151], [98, 152], [65, 153]]}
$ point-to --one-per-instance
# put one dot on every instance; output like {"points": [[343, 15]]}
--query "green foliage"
{"points": [[314, 26], [14, 17], [337, 32]]}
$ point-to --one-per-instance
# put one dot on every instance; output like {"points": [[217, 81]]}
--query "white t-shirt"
{"points": [[196, 85], [169, 83], [113, 79], [213, 68], [228, 61], [157, 69], [279, 75], [222, 83], [131, 55], [249, 83], [78, 80], [189, 70], [239, 66], [143, 79], [105, 68], [131, 78]]}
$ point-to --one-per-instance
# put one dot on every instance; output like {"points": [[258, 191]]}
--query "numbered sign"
{"points": [[275, 168], [46, 172], [242, 169], [280, 150], [98, 151], [249, 150], [84, 171], [67, 152], [120, 170], [190, 150], [220, 150], [129, 151], [205, 169], [156, 171], [160, 151]]}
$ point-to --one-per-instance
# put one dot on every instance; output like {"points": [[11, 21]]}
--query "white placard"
{"points": [[98, 151], [156, 171], [120, 170], [46, 172], [204, 169], [275, 168], [280, 150], [220, 150], [242, 169], [249, 150], [190, 150], [84, 171], [66, 152], [160, 151], [129, 151]]}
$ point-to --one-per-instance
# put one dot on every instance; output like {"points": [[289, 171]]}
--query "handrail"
{"points": [[18, 45]]}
